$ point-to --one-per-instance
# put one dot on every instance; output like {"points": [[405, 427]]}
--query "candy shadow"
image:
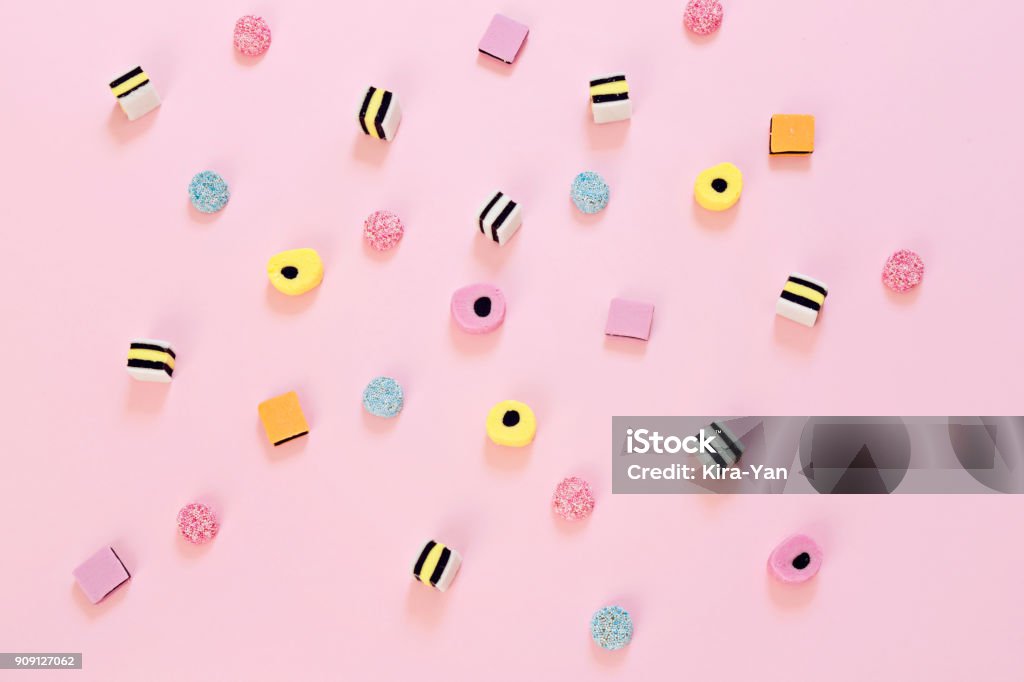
{"points": [[487, 251], [197, 216], [569, 528], [473, 344], [284, 450], [796, 336], [506, 458], [283, 304], [124, 131], [789, 162], [94, 611], [425, 605], [189, 551], [605, 136], [790, 597], [713, 220], [377, 255], [379, 425], [588, 219], [625, 345], [698, 39], [370, 150], [497, 66], [145, 397], [905, 298], [246, 60]]}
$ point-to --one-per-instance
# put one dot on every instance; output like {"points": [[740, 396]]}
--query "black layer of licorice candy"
{"points": [[150, 364], [297, 435], [610, 79], [441, 563], [501, 219], [128, 76], [362, 109], [800, 300], [810, 285], [597, 99], [487, 208], [423, 557]]}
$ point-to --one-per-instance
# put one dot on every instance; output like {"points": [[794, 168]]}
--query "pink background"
{"points": [[919, 141]]}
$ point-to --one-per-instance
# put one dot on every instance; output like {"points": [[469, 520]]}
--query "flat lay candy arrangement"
{"points": [[481, 308], [262, 357]]}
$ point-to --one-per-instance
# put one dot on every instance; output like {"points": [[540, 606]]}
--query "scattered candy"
{"points": [[718, 188], [727, 447], [197, 523], [209, 192], [631, 319], [135, 93], [383, 229], [791, 134], [703, 16], [573, 499], [589, 192], [437, 565], [283, 419], [252, 35], [383, 397], [478, 308], [503, 39], [611, 627], [609, 98], [500, 217], [903, 271], [511, 423], [151, 360], [296, 271], [380, 114], [796, 560], [101, 574], [801, 299]]}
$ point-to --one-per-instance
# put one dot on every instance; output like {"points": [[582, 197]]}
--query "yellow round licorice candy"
{"points": [[718, 188], [511, 423], [295, 272]]}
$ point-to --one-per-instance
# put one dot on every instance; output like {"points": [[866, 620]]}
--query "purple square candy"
{"points": [[100, 574], [630, 318], [503, 39]]}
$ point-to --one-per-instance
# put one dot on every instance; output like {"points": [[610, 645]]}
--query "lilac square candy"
{"points": [[100, 574], [630, 318], [503, 39]]}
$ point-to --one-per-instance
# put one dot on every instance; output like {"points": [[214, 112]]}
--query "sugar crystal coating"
{"points": [[703, 16], [383, 229], [208, 192], [589, 192], [573, 499], [383, 397], [903, 271], [197, 523], [611, 627], [252, 35]]}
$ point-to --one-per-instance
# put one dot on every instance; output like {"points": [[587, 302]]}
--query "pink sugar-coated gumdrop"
{"points": [[383, 229], [903, 271], [252, 35], [197, 523], [703, 16], [796, 560], [573, 499]]}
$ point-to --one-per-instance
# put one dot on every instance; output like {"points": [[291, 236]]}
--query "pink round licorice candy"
{"points": [[703, 16], [796, 560], [903, 271], [573, 499], [383, 229], [197, 523], [252, 35], [478, 308]]}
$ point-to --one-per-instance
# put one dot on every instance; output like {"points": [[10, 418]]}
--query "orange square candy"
{"points": [[791, 134], [283, 419]]}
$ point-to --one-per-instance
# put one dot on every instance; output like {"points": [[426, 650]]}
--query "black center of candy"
{"points": [[482, 306], [801, 561], [511, 418], [719, 185], [289, 272]]}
